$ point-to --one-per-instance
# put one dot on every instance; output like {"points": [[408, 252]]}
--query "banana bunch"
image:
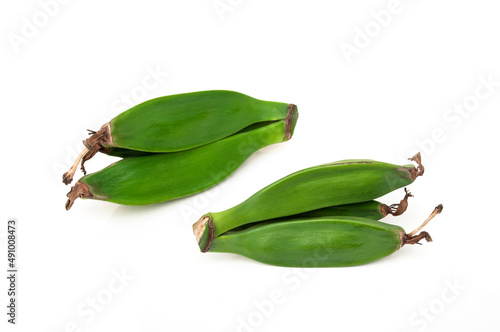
{"points": [[175, 146], [178, 145], [323, 216]]}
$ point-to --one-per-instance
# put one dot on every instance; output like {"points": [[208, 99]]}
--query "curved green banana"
{"points": [[181, 122], [188, 120], [339, 183], [165, 176], [318, 242], [371, 209]]}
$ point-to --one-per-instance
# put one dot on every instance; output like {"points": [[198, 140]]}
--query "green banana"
{"points": [[160, 177], [319, 242], [338, 183], [371, 209], [181, 122]]}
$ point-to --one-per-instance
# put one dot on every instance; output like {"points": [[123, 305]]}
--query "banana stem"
{"points": [[419, 170], [203, 230], [93, 144], [290, 118], [396, 209], [437, 210], [199, 227], [411, 238], [68, 176], [79, 190]]}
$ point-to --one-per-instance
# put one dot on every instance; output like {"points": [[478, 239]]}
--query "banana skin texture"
{"points": [[313, 242]]}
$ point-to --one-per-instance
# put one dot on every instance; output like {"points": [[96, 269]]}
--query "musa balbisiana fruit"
{"points": [[161, 177], [370, 209], [339, 183], [181, 122], [318, 241]]}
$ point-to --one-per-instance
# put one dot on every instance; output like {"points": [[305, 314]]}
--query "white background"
{"points": [[392, 97]]}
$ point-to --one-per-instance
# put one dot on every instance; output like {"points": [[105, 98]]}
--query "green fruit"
{"points": [[182, 122], [339, 183], [161, 177], [185, 121], [371, 209], [318, 242]]}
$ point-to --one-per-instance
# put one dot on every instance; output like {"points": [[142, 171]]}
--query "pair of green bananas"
{"points": [[323, 216], [178, 145]]}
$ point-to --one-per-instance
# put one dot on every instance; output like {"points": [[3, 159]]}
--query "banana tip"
{"points": [[203, 230], [419, 170], [290, 121], [81, 190], [67, 178], [439, 208]]}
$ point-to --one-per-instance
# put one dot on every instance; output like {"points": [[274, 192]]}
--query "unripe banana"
{"points": [[371, 209], [160, 177], [181, 122], [319, 242], [338, 183]]}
